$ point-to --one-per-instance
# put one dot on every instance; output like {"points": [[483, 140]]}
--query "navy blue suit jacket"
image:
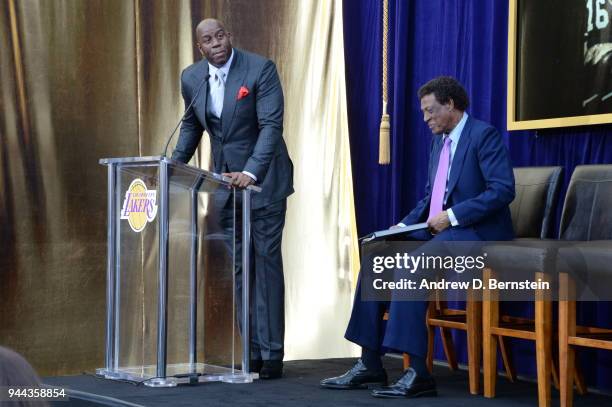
{"points": [[480, 186]]}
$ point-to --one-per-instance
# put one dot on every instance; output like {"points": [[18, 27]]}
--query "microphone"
{"points": [[185, 114]]}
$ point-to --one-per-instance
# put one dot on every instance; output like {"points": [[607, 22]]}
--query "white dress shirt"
{"points": [[217, 98], [215, 73]]}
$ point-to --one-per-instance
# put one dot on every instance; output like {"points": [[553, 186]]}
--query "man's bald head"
{"points": [[209, 23], [213, 41]]}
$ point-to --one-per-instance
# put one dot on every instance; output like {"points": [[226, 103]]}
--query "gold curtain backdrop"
{"points": [[86, 79]]}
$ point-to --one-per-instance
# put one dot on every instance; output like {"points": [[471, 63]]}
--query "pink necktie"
{"points": [[439, 187]]}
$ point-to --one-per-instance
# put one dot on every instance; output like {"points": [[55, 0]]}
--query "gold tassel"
{"points": [[384, 145]]}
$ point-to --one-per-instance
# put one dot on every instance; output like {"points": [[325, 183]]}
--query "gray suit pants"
{"points": [[267, 283]]}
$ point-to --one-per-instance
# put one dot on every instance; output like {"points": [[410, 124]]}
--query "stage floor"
{"points": [[300, 387]]}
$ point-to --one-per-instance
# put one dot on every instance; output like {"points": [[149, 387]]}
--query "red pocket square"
{"points": [[242, 92]]}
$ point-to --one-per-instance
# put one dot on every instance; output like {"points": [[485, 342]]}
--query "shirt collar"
{"points": [[225, 68], [455, 134]]}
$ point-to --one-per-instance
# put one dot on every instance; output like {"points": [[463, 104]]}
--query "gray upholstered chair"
{"points": [[532, 210], [587, 214], [586, 217]]}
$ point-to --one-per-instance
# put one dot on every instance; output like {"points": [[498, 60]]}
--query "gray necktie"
{"points": [[217, 90]]}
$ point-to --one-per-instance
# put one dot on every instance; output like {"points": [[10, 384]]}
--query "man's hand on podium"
{"points": [[239, 179]]}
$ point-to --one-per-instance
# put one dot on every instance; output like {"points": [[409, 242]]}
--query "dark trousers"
{"points": [[405, 330], [266, 279]]}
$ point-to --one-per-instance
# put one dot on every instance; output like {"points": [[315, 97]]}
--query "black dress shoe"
{"points": [[408, 386], [255, 365], [359, 377], [271, 369]]}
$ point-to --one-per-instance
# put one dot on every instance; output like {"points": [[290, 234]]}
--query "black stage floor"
{"points": [[300, 387]]}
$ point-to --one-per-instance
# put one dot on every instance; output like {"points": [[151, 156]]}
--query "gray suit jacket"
{"points": [[252, 127]]}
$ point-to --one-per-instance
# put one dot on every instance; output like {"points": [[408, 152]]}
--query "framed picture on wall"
{"points": [[559, 63]]}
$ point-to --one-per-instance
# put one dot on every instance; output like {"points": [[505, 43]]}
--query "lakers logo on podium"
{"points": [[139, 206]]}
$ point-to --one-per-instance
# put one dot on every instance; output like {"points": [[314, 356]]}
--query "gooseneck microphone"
{"points": [[185, 114]]}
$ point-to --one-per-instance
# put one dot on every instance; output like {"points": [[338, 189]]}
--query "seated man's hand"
{"points": [[438, 223], [238, 179], [395, 226]]}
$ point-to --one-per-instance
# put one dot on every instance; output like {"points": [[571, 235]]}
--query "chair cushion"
{"points": [[590, 266], [523, 256]]}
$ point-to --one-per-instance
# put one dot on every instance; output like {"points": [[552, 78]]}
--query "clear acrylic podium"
{"points": [[172, 314]]}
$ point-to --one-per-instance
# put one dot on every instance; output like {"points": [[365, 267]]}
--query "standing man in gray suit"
{"points": [[238, 99]]}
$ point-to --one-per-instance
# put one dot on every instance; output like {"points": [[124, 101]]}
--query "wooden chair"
{"points": [[469, 320], [496, 327], [537, 189], [577, 220], [597, 256], [591, 260]]}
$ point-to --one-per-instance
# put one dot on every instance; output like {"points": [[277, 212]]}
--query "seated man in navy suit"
{"points": [[470, 185]]}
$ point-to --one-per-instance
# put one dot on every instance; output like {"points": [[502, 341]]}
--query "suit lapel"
{"points": [[235, 79], [459, 157], [435, 157], [199, 105]]}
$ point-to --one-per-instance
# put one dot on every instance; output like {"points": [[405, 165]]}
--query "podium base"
{"points": [[181, 373], [240, 378], [159, 382]]}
